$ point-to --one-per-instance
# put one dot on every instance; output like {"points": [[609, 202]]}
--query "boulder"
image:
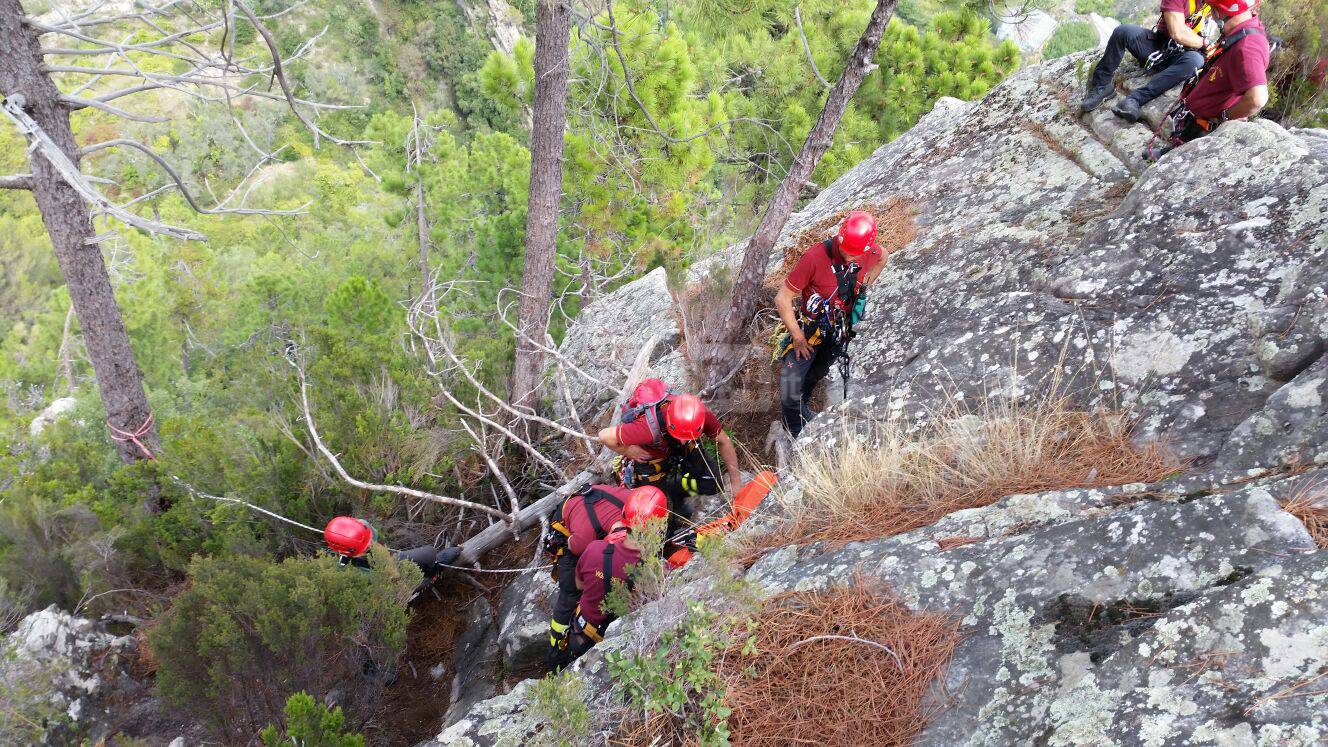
{"points": [[70, 662], [1030, 29], [55, 411], [474, 660], [1103, 27], [523, 613]]}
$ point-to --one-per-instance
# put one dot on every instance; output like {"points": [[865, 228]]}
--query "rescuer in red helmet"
{"points": [[581, 519], [659, 434], [349, 539], [819, 303], [608, 560]]}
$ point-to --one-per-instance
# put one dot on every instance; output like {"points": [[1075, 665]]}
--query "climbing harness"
{"points": [[555, 540], [831, 318], [1185, 126], [1197, 15]]}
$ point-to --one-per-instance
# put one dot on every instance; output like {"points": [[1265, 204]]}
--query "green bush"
{"points": [[680, 677], [1070, 37], [310, 724], [248, 631], [559, 701]]}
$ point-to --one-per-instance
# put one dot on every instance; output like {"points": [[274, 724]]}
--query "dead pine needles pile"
{"points": [[1310, 505], [879, 480], [845, 666]]}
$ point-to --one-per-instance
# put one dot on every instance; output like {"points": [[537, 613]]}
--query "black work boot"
{"points": [[1094, 98], [1127, 109]]}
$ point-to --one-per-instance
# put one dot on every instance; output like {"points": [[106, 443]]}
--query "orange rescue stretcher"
{"points": [[744, 503]]}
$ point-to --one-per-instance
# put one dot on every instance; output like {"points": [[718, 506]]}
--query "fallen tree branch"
{"points": [[498, 533], [376, 487]]}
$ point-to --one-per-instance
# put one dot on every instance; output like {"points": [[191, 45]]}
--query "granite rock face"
{"points": [[1191, 291]]}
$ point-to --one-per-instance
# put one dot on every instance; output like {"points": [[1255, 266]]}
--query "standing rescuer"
{"points": [[829, 280], [659, 436], [580, 520], [606, 561]]}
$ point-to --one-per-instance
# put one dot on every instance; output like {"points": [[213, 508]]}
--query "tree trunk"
{"points": [[69, 223], [723, 351], [549, 120]]}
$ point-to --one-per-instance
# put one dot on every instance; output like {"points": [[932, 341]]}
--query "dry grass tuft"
{"points": [[1310, 505], [804, 687], [894, 227], [885, 482]]}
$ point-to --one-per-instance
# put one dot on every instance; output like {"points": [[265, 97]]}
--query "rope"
{"points": [[200, 494], [120, 436], [494, 570]]}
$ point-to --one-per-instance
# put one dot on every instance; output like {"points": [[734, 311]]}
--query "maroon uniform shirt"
{"points": [[1239, 69], [590, 572], [814, 274], [578, 522]]}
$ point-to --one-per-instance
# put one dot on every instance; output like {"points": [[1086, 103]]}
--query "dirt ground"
{"points": [[413, 707]]}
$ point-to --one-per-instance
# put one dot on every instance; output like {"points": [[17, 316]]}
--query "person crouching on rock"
{"points": [[606, 561], [1172, 52], [659, 436], [831, 278], [1233, 83], [583, 518]]}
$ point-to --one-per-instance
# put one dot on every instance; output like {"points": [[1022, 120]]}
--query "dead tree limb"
{"points": [[375, 487], [499, 533], [806, 47]]}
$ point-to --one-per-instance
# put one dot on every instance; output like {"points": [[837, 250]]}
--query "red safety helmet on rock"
{"points": [[1228, 8], [857, 233], [349, 536], [643, 504], [685, 417]]}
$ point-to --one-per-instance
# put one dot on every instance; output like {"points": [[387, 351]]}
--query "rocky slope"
{"points": [[1191, 291]]}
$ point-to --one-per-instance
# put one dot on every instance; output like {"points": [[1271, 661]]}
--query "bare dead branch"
{"points": [[494, 469], [279, 72], [16, 181], [797, 16], [375, 487], [78, 102], [43, 144], [179, 183]]}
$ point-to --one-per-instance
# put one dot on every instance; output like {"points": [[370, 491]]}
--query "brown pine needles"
{"points": [[825, 670], [884, 481], [1310, 505]]}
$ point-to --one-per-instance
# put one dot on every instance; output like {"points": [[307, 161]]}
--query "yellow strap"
{"points": [[557, 627]]}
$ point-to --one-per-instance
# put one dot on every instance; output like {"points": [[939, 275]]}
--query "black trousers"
{"points": [[1174, 69], [797, 381], [564, 606]]}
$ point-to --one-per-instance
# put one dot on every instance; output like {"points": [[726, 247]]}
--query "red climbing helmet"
{"points": [[643, 504], [1227, 8], [857, 233], [685, 417], [349, 536]]}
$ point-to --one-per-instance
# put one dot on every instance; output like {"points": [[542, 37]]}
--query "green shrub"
{"points": [[310, 724], [1070, 37], [248, 631], [559, 701], [679, 679]]}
